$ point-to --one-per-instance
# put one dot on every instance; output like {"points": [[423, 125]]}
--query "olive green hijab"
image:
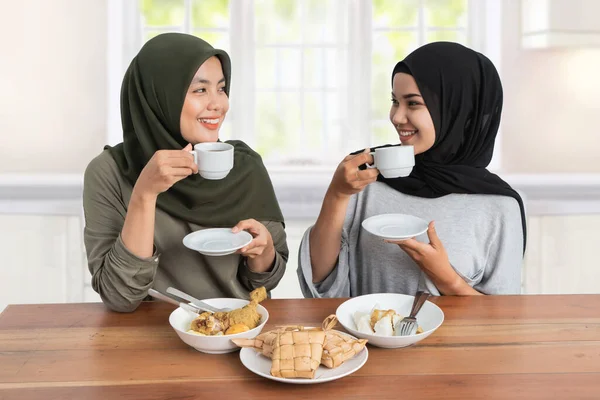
{"points": [[152, 97]]}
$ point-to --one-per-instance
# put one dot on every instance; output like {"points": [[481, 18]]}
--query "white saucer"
{"points": [[261, 365], [216, 241], [395, 226]]}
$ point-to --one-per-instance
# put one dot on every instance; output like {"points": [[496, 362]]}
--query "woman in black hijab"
{"points": [[144, 195], [446, 103]]}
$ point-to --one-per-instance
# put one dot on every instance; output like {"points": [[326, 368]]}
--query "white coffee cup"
{"points": [[214, 159], [394, 161]]}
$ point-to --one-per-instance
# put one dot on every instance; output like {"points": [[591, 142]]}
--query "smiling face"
{"points": [[205, 105], [409, 115]]}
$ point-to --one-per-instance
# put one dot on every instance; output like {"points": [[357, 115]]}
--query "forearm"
{"points": [[454, 285], [138, 229], [263, 262], [269, 279], [326, 235]]}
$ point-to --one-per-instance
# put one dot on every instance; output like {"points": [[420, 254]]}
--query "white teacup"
{"points": [[394, 161], [214, 159]]}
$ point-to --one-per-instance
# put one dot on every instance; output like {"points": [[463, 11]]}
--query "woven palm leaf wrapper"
{"points": [[265, 342], [297, 354], [337, 347]]}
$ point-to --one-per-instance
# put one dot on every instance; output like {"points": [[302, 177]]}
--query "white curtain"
{"points": [[125, 37]]}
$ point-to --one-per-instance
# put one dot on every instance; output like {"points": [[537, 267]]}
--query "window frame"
{"points": [[125, 37]]}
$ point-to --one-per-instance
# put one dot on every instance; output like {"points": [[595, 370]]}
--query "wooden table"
{"points": [[489, 347]]}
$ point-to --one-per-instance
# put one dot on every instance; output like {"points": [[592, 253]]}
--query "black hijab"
{"points": [[152, 97], [462, 91]]}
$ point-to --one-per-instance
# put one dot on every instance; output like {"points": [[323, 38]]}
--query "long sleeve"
{"points": [[252, 280], [121, 278]]}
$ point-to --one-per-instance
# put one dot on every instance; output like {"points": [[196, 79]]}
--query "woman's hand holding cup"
{"points": [[348, 179], [165, 168]]}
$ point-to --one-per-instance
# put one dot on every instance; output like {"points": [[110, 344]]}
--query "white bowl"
{"points": [[429, 318], [181, 319]]}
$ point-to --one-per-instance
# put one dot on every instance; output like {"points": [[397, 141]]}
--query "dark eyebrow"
{"points": [[408, 96], [207, 82]]}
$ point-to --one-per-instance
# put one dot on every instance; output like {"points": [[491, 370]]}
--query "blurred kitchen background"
{"points": [[311, 82]]}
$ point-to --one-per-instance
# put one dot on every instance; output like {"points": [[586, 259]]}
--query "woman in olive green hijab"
{"points": [[144, 195]]}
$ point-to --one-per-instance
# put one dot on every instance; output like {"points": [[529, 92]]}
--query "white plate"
{"points": [[430, 317], [261, 365], [216, 241], [395, 226]]}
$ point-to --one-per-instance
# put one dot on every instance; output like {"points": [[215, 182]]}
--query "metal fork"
{"points": [[408, 325]]}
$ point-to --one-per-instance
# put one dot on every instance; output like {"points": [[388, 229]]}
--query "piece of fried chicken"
{"points": [[211, 324], [246, 315], [207, 324]]}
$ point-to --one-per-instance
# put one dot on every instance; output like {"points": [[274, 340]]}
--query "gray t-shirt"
{"points": [[482, 235]]}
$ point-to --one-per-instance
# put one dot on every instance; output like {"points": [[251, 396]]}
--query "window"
{"points": [[398, 28], [207, 19], [311, 78]]}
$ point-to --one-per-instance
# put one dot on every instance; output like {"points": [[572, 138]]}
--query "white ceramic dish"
{"points": [[216, 241], [395, 226], [180, 320], [429, 318], [261, 365]]}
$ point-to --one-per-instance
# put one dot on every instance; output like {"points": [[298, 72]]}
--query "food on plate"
{"points": [[379, 322], [230, 322], [297, 354], [237, 328], [339, 348], [296, 351]]}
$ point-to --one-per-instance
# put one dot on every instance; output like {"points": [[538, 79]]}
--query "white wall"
{"points": [[43, 259], [551, 117], [52, 84], [288, 287]]}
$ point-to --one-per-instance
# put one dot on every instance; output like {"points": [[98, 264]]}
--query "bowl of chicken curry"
{"points": [[212, 332]]}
